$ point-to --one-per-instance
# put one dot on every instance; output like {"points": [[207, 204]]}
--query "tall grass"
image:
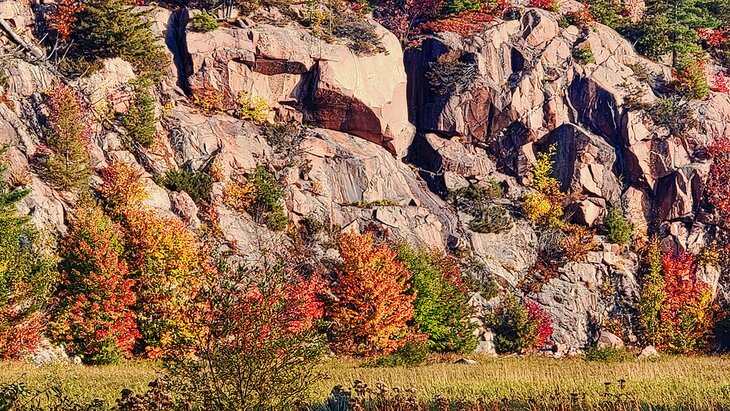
{"points": [[670, 383]]}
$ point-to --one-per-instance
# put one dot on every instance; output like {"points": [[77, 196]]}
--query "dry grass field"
{"points": [[670, 383]]}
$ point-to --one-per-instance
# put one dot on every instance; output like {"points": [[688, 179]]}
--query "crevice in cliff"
{"points": [[176, 42]]}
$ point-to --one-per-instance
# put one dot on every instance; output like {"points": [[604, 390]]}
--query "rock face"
{"points": [[297, 72], [529, 92], [521, 92]]}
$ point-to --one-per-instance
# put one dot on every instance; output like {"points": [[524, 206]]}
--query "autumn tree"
{"points": [[519, 325], [259, 346], [165, 258], [402, 17], [64, 159], [677, 311], [373, 307], [93, 314], [717, 191], [687, 313]]}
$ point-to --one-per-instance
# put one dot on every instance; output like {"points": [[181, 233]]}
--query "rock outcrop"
{"points": [[522, 92], [300, 74]]}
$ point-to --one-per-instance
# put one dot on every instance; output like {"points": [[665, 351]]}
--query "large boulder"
{"points": [[608, 339]]}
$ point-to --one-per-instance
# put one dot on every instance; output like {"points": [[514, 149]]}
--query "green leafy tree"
{"points": [[441, 305], [27, 276], [652, 295]]}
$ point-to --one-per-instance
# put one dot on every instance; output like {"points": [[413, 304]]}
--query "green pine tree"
{"points": [[111, 28], [671, 27]]}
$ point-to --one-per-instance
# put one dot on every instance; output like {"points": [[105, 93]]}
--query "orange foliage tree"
{"points": [[373, 307], [164, 256], [63, 17], [94, 314], [687, 313]]}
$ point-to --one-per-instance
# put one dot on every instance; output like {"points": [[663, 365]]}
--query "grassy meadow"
{"points": [[681, 383]]}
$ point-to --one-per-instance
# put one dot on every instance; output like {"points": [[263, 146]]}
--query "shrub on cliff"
{"points": [[122, 189], [197, 184], [471, 199], [673, 113], [492, 219], [458, 6], [252, 108], [373, 306], [93, 314], [268, 195], [619, 228], [583, 54], [27, 276], [608, 12], [361, 35], [690, 79], [139, 120], [441, 305], [450, 75], [339, 19], [544, 205], [203, 22]]}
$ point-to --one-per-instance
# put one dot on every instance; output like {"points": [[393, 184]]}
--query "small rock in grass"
{"points": [[607, 339], [649, 352], [465, 361]]}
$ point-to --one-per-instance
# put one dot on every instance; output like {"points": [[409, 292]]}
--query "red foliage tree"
{"points": [[94, 315], [373, 307], [721, 83], [717, 190], [543, 321], [465, 24], [62, 18], [402, 17], [543, 4], [687, 311]]}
